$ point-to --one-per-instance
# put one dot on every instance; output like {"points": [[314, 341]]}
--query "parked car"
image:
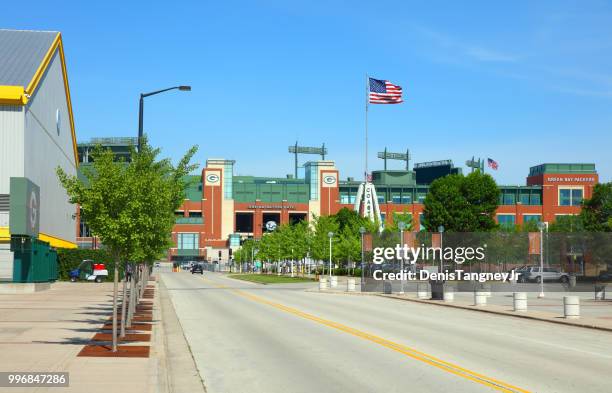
{"points": [[605, 276], [197, 268], [532, 273]]}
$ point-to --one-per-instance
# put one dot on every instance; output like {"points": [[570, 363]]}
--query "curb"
{"points": [[176, 351], [504, 313]]}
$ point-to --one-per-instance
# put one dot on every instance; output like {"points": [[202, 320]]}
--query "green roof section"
{"points": [[270, 189], [267, 180], [564, 168], [193, 187], [394, 177]]}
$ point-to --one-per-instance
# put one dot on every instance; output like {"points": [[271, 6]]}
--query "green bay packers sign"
{"points": [[24, 216], [212, 178]]}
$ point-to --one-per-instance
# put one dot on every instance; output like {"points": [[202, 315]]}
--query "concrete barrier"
{"points": [[334, 281], [422, 291], [449, 294], [323, 284], [480, 298], [571, 307], [350, 285], [519, 300]]}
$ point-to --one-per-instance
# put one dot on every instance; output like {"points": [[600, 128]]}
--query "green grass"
{"points": [[268, 278]]}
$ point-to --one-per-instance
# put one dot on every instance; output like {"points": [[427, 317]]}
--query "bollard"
{"points": [[350, 285], [449, 294], [322, 284], [334, 281], [519, 299], [422, 291], [571, 307], [600, 292], [480, 298]]}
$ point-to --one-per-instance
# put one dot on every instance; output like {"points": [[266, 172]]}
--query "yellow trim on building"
{"points": [[52, 240], [43, 66], [12, 95], [18, 95], [4, 233], [56, 241], [68, 100]]}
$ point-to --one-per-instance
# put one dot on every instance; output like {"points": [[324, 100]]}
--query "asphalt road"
{"points": [[279, 338]]}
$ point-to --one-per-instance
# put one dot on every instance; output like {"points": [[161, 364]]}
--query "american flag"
{"points": [[384, 92], [492, 164]]}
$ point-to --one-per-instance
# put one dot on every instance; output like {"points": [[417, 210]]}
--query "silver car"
{"points": [[532, 273]]}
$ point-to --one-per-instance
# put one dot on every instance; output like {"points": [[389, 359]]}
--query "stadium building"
{"points": [[221, 209]]}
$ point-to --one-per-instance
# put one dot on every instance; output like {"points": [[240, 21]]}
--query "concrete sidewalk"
{"points": [[598, 322], [596, 314], [44, 331]]}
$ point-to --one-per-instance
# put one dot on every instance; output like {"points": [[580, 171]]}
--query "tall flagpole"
{"points": [[367, 99]]}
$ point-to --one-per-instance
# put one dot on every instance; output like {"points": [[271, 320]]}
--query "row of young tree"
{"points": [[129, 206]]}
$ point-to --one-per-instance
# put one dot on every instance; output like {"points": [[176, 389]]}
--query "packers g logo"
{"points": [[33, 210], [329, 179], [212, 178]]}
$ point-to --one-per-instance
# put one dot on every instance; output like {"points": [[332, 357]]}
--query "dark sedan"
{"points": [[197, 268]]}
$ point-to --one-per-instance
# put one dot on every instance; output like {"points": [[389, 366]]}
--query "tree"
{"points": [[596, 213], [569, 223], [320, 241], [462, 203], [129, 206], [398, 217]]}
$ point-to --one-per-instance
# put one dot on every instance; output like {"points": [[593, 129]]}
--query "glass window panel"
{"points": [[509, 198], [576, 197], [535, 199], [532, 217], [505, 219], [564, 197], [525, 198], [187, 241]]}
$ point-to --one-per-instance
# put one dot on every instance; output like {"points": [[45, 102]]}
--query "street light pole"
{"points": [[141, 108], [441, 230], [401, 226], [541, 227], [362, 231], [330, 234]]}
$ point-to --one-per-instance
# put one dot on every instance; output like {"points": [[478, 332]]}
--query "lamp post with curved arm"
{"points": [[141, 107]]}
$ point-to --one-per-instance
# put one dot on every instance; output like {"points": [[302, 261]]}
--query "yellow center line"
{"points": [[403, 349]]}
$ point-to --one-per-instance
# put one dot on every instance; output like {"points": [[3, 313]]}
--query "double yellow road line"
{"points": [[403, 349]]}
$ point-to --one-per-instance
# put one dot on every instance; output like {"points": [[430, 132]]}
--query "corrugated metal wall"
{"points": [[11, 145], [48, 146]]}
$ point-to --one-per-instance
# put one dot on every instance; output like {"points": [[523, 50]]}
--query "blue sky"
{"points": [[522, 82]]}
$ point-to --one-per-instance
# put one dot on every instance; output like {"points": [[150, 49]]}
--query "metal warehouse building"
{"points": [[36, 136]]}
